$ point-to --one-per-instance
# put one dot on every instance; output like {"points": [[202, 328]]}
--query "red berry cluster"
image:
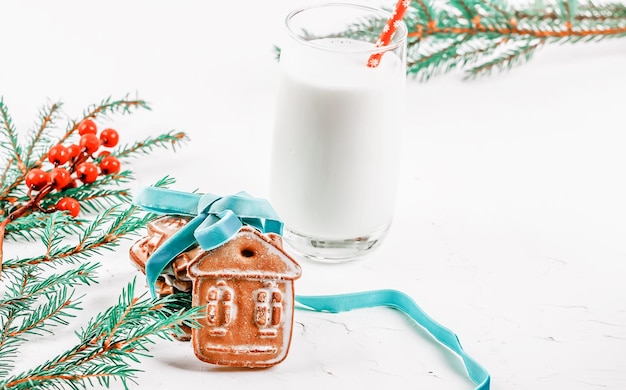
{"points": [[71, 164]]}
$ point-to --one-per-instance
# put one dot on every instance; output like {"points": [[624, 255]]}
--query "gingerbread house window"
{"points": [[220, 298], [268, 309]]}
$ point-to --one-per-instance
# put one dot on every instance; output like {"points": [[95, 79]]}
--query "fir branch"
{"points": [[27, 287], [29, 226], [3, 176], [10, 314], [164, 182], [93, 241], [9, 346], [49, 236], [92, 234], [476, 49], [38, 142], [492, 23], [11, 144], [10, 180], [108, 107], [32, 306], [519, 53], [110, 342], [128, 223], [443, 58], [23, 300], [169, 139], [53, 312]]}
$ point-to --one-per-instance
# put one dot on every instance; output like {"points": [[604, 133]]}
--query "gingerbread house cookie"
{"points": [[247, 286], [174, 278]]}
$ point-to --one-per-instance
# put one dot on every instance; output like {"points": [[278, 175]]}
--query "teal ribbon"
{"points": [[402, 302], [217, 219]]}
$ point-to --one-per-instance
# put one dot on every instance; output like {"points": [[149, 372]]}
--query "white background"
{"points": [[511, 218]]}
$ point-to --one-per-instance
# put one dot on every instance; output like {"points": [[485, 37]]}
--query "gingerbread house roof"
{"points": [[248, 254]]}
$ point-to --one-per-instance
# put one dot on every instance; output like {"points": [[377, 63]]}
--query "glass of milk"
{"points": [[337, 131]]}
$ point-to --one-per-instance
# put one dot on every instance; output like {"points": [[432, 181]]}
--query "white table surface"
{"points": [[511, 217]]}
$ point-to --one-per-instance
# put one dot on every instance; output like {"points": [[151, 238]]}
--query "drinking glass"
{"points": [[337, 130]]}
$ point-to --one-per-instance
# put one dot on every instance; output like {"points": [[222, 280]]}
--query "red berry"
{"points": [[90, 142], [87, 172], [109, 164], [60, 177], [109, 137], [69, 204], [104, 153], [87, 127], [37, 178], [73, 150], [58, 155]]}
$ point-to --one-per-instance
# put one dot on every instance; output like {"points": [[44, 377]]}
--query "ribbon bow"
{"points": [[216, 219]]}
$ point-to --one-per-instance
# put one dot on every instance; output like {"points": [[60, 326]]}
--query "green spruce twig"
{"points": [[34, 302], [30, 226], [479, 36], [110, 343], [38, 292], [171, 138], [39, 141], [103, 233], [482, 36], [10, 142]]}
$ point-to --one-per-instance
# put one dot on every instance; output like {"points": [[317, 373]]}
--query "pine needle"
{"points": [[171, 139]]}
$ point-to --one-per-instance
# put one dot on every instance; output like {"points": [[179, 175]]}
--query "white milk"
{"points": [[336, 143]]}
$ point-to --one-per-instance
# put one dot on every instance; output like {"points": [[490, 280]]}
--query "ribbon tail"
{"points": [[402, 302], [179, 242]]}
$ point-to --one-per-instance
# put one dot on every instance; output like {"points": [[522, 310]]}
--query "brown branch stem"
{"points": [[38, 378], [422, 31]]}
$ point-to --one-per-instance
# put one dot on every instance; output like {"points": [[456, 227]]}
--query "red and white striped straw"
{"points": [[388, 31]]}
